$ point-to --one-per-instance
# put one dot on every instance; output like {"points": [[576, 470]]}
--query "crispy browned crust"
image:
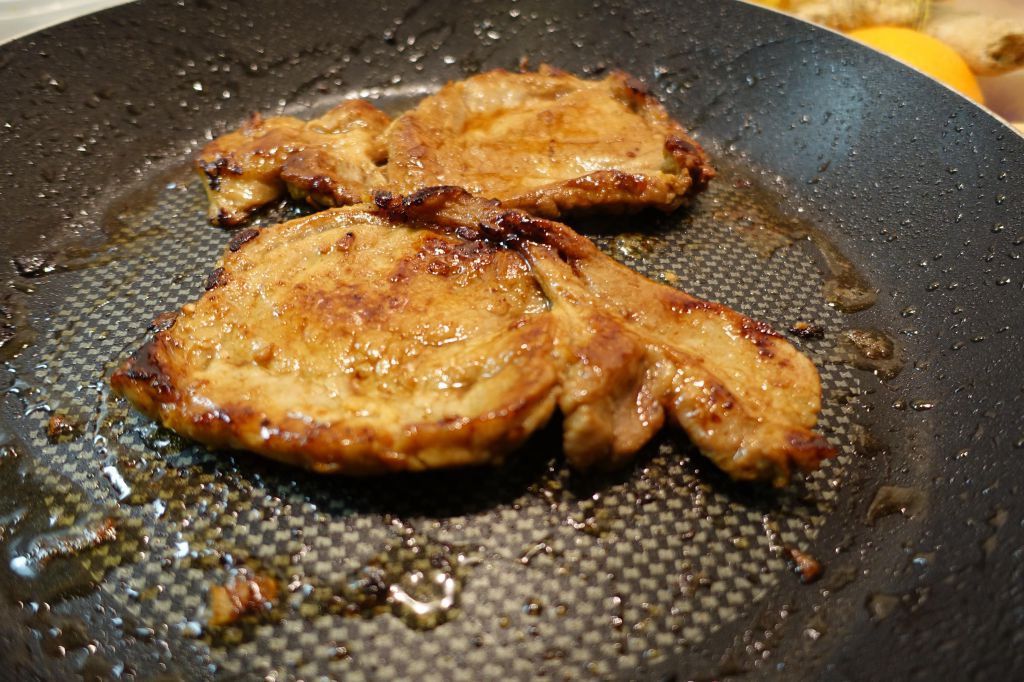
{"points": [[333, 160], [440, 330], [549, 143]]}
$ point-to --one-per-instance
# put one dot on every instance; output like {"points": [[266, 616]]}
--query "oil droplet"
{"points": [[634, 245], [872, 350], [923, 559], [881, 605], [415, 578], [891, 499]]}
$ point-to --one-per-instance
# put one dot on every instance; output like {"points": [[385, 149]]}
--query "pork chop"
{"points": [[546, 142], [549, 143], [634, 353], [440, 330], [333, 160]]}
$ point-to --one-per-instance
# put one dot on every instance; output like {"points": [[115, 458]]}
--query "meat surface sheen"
{"points": [[333, 160], [549, 143], [440, 330], [543, 141], [635, 353], [342, 342]]}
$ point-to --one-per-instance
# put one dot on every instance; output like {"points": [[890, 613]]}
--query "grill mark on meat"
{"points": [[241, 237], [215, 279], [162, 322], [217, 169], [718, 397]]}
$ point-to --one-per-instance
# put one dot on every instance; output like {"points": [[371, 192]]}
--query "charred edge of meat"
{"points": [[629, 183], [144, 367], [506, 227], [216, 169], [240, 238], [383, 199], [319, 189], [217, 278], [513, 226], [420, 203], [681, 303], [757, 332], [316, 184], [634, 90], [162, 322], [692, 158], [225, 218]]}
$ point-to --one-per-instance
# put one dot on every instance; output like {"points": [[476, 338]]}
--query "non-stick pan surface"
{"points": [[843, 173]]}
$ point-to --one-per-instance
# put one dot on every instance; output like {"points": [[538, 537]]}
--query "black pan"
{"points": [[843, 173]]}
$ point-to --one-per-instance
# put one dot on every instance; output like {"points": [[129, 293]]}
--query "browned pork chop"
{"points": [[549, 143], [441, 330], [546, 142], [634, 352], [333, 160]]}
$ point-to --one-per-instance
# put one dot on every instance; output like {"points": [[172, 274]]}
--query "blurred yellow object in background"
{"points": [[925, 53]]}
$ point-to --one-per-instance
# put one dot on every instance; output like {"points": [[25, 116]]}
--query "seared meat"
{"points": [[346, 342], [333, 160], [633, 352], [549, 143], [546, 142], [442, 330]]}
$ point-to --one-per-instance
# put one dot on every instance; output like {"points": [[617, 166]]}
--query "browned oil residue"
{"points": [[242, 594], [123, 232], [15, 332], [872, 350], [762, 237], [996, 521], [845, 287], [60, 427], [891, 499], [415, 578], [865, 441], [51, 550], [807, 330], [634, 245], [881, 605], [806, 566]]}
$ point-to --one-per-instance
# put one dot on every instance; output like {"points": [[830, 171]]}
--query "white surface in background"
{"points": [[1004, 94], [20, 17]]}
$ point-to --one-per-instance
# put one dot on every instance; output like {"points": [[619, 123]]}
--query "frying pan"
{"points": [[114, 532]]}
